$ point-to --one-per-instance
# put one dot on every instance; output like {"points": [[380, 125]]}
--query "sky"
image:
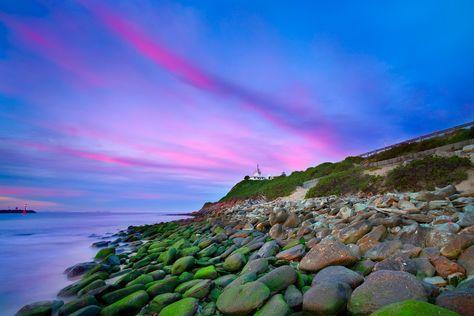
{"points": [[160, 106]]}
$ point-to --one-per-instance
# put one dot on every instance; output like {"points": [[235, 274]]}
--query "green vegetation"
{"points": [[285, 185], [403, 149], [344, 182], [427, 173]]}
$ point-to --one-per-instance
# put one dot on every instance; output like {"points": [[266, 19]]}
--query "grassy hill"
{"points": [[348, 176]]}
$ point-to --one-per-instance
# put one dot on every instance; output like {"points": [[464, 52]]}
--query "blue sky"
{"points": [[163, 105]]}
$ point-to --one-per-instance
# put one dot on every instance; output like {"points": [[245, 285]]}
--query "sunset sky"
{"points": [[163, 105]]}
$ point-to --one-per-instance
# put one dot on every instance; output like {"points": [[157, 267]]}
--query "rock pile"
{"points": [[389, 254]]}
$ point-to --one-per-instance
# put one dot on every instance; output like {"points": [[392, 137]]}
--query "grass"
{"points": [[431, 143], [345, 182], [428, 173]]}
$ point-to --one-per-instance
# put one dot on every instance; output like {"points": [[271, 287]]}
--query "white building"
{"points": [[257, 175]]}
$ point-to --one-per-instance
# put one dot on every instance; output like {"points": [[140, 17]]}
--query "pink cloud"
{"points": [[37, 192]]}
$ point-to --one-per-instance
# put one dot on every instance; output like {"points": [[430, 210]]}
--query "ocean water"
{"points": [[36, 248]]}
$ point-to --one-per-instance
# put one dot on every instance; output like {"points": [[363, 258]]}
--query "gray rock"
{"points": [[293, 296], [338, 274], [327, 298], [279, 278]]}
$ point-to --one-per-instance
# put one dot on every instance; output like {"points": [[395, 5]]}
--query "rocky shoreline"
{"points": [[389, 254]]}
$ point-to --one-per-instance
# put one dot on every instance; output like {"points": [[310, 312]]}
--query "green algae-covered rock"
{"points": [[183, 287], [162, 300], [132, 275], [208, 309], [185, 276], [114, 296], [169, 256], [104, 253], [214, 294], [112, 260], [77, 304], [185, 307], [157, 274], [224, 280], [208, 251], [140, 264], [257, 265], [72, 289], [276, 306], [243, 299], [91, 286], [234, 262], [413, 308], [203, 244], [162, 286], [41, 308], [142, 279], [190, 251], [128, 305], [206, 273], [199, 290], [91, 310], [279, 278], [182, 264]]}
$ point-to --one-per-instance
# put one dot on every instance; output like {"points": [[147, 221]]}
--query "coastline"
{"points": [[280, 253]]}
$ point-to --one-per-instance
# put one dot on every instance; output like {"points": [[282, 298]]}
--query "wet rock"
{"points": [[375, 293], [269, 249], [199, 290], [325, 254], [91, 310], [130, 304], [327, 298], [41, 308], [79, 269], [208, 272], [256, 266], [354, 232], [397, 263], [372, 238], [444, 267], [338, 274], [436, 281], [243, 299], [279, 278], [460, 301], [162, 300], [413, 307], [162, 286], [423, 267], [466, 260], [291, 254], [292, 221], [364, 267], [184, 307], [276, 306], [383, 250], [293, 296], [76, 304], [276, 232], [182, 264], [234, 262]]}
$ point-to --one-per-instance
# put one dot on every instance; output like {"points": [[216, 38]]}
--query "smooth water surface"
{"points": [[36, 248]]}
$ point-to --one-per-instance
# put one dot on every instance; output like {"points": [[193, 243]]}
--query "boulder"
{"points": [[326, 298], [91, 310], [162, 286], [276, 306], [413, 307], [114, 296], [128, 305], [372, 238], [234, 262], [385, 287], [460, 300], [466, 260], [345, 212], [199, 290], [256, 266], [242, 299], [279, 278], [79, 269], [338, 274], [292, 221], [276, 232], [397, 263], [445, 267], [182, 264], [41, 308], [77, 304], [208, 272], [184, 307], [293, 296], [325, 254], [162, 300], [294, 253], [383, 250], [354, 232], [269, 249]]}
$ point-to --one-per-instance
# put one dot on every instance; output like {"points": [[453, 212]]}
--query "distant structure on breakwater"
{"points": [[16, 211]]}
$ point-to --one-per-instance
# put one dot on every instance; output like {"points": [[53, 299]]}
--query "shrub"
{"points": [[344, 182], [427, 173]]}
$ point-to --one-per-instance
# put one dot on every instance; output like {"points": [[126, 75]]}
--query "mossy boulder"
{"points": [[184, 307], [142, 279], [169, 256], [183, 287], [128, 305], [185, 276], [182, 264], [159, 302], [279, 278], [276, 306], [190, 251], [243, 299], [114, 296], [41, 308], [206, 273], [132, 275], [224, 280], [199, 290], [234, 262], [104, 253], [76, 304], [162, 286], [72, 289], [91, 310], [413, 307], [91, 286], [208, 251]]}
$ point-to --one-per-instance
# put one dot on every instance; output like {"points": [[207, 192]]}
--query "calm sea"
{"points": [[36, 248]]}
